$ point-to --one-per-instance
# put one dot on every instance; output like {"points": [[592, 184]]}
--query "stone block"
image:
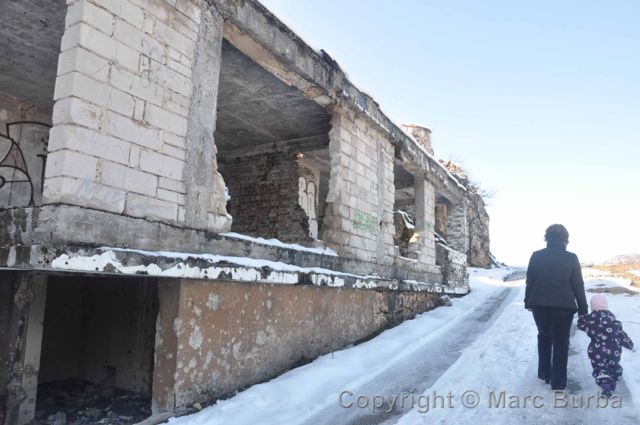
{"points": [[84, 11], [134, 157], [173, 38], [71, 164], [190, 9], [138, 40], [84, 140], [76, 111], [127, 57], [128, 179], [161, 118], [144, 206], [84, 193], [84, 61], [136, 85], [79, 85], [174, 152], [170, 184], [127, 129], [120, 102], [161, 165], [93, 40], [168, 195]]}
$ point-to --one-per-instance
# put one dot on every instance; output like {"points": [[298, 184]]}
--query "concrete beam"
{"points": [[34, 236], [303, 144]]}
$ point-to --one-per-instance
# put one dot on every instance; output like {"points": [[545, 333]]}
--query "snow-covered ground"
{"points": [[495, 367]]}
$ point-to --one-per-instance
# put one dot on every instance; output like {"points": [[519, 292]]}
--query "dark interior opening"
{"points": [[97, 350], [404, 210]]}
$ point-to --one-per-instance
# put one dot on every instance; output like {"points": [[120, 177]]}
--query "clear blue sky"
{"points": [[540, 100]]}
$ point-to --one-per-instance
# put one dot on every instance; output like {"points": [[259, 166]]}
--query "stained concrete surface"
{"points": [[255, 107], [30, 31]]}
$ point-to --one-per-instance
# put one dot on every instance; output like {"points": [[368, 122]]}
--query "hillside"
{"points": [[626, 266]]}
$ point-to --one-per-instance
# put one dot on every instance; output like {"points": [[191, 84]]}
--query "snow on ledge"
{"points": [[280, 244], [221, 267], [240, 269]]}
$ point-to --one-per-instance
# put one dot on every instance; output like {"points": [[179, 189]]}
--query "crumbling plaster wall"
{"points": [[358, 218], [23, 299], [216, 337], [134, 103], [264, 196]]}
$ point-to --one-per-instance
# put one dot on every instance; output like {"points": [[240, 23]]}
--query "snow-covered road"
{"points": [[417, 372], [474, 362]]}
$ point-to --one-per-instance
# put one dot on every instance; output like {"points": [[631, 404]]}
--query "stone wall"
{"points": [[128, 78], [264, 197], [359, 214], [479, 254], [24, 134], [216, 337], [453, 265]]}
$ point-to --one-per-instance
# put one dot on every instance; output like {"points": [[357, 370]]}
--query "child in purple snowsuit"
{"points": [[607, 340]]}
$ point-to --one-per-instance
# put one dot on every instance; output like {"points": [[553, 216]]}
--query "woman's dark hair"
{"points": [[557, 233]]}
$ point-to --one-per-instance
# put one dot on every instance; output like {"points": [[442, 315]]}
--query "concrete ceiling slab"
{"points": [[30, 34], [255, 107]]}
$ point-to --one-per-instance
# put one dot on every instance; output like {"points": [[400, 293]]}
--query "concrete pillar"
{"points": [[166, 347], [205, 200], [25, 333]]}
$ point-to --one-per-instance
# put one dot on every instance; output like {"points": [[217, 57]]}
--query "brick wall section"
{"points": [[122, 101], [359, 215], [264, 197]]}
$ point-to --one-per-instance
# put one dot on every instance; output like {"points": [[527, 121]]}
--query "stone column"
{"points": [[358, 220], [134, 112], [458, 228], [425, 218]]}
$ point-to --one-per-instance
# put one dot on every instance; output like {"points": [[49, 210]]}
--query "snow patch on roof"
{"points": [[280, 244]]}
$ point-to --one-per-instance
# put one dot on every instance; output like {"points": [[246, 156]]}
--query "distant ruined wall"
{"points": [[476, 219]]}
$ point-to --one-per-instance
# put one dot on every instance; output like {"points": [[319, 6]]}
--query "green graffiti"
{"points": [[365, 223], [429, 227]]}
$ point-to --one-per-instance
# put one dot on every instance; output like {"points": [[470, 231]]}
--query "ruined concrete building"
{"points": [[193, 200]]}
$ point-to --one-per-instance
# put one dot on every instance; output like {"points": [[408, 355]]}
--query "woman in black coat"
{"points": [[555, 291]]}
